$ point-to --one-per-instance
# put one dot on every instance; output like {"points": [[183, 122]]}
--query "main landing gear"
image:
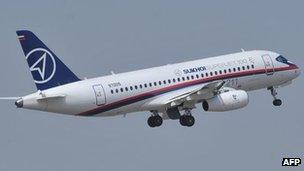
{"points": [[187, 119], [155, 120], [274, 93]]}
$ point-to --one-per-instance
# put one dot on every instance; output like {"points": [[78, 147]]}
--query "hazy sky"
{"points": [[95, 37]]}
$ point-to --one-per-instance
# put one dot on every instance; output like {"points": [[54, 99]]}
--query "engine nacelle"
{"points": [[230, 100]]}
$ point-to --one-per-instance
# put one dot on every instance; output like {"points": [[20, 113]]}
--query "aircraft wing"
{"points": [[186, 95]]}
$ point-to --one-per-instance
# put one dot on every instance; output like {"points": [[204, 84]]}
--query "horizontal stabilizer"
{"points": [[50, 97]]}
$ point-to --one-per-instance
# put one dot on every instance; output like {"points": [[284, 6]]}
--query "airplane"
{"points": [[171, 91]]}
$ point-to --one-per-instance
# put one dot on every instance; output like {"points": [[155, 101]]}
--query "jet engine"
{"points": [[226, 101]]}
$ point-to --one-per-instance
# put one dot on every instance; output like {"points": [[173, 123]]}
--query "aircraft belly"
{"points": [[134, 107]]}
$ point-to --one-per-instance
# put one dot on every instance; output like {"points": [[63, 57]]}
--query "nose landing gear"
{"points": [[274, 93], [277, 102]]}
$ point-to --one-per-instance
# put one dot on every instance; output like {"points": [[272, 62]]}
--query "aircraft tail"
{"points": [[46, 68]]}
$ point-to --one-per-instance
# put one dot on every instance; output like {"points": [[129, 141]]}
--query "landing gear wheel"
{"points": [[190, 120], [158, 120], [151, 122], [274, 93], [155, 121], [187, 120], [183, 120], [277, 102]]}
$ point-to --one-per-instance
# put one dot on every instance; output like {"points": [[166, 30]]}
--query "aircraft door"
{"points": [[269, 67], [99, 94]]}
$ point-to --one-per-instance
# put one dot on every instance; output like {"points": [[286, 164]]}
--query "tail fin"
{"points": [[47, 69]]}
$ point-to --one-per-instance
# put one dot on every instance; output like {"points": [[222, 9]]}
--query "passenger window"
{"points": [[150, 84], [215, 72], [178, 79], [239, 69], [192, 77], [211, 73], [159, 82], [183, 78], [225, 71], [126, 88], [243, 67], [164, 81], [140, 86], [197, 76], [229, 70], [248, 67], [121, 89], [131, 88], [145, 85], [220, 71], [188, 78], [252, 66], [174, 80], [112, 91], [202, 75], [116, 90], [206, 74], [135, 87], [155, 84], [234, 69], [169, 81]]}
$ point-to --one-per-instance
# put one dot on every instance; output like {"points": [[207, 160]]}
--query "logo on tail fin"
{"points": [[43, 65], [46, 68]]}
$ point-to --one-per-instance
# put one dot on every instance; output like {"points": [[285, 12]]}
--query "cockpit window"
{"points": [[282, 59]]}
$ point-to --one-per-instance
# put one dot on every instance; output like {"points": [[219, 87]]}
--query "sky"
{"points": [[95, 37]]}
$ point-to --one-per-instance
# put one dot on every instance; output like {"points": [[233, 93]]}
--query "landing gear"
{"points": [[274, 93], [155, 120], [277, 102], [187, 119]]}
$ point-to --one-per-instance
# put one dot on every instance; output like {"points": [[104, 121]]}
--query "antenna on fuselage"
{"points": [[242, 50], [112, 72]]}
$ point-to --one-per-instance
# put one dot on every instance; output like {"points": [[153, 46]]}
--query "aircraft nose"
{"points": [[297, 71]]}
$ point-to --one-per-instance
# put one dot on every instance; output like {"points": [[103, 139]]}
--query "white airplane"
{"points": [[169, 92]]}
